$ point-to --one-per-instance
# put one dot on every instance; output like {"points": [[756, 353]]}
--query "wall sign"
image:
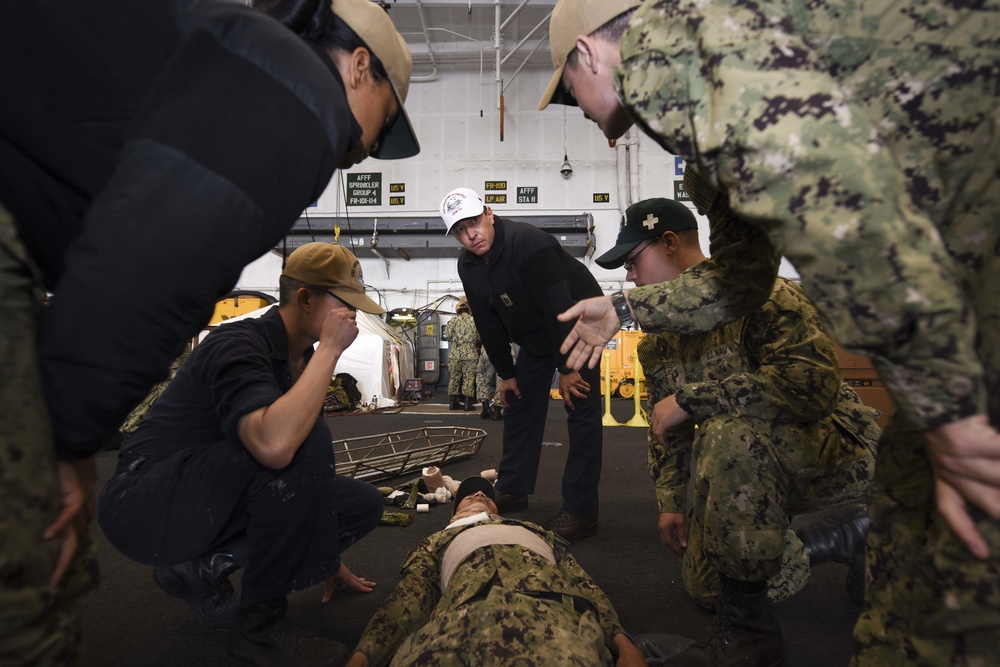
{"points": [[680, 194], [364, 189], [527, 195]]}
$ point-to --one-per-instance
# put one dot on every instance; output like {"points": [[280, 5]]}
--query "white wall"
{"points": [[460, 148]]}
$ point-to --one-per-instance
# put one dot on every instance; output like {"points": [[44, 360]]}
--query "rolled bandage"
{"points": [[490, 474], [433, 478], [423, 507]]}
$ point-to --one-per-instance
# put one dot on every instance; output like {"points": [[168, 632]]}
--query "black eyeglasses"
{"points": [[326, 291], [630, 262]]}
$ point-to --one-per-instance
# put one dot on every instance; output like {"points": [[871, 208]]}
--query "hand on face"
{"points": [[340, 327]]}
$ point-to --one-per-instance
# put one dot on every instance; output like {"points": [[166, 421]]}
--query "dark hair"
{"points": [[315, 22], [610, 32], [287, 287], [689, 237]]}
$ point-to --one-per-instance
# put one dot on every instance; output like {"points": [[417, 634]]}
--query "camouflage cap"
{"points": [[372, 24], [643, 220], [334, 269], [570, 19]]}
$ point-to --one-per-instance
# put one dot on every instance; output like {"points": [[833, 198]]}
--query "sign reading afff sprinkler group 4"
{"points": [[364, 189]]}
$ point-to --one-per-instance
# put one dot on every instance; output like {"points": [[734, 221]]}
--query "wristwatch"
{"points": [[621, 307], [564, 369]]}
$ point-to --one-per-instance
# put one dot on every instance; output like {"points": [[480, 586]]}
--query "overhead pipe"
{"points": [[427, 41], [514, 14], [621, 170], [498, 67], [527, 37], [633, 164], [481, 61]]}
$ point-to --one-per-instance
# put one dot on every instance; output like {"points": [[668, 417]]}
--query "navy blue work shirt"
{"points": [[239, 368]]}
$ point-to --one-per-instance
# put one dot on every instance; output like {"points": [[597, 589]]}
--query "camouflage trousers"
{"points": [[487, 380], [39, 625], [928, 601], [750, 477], [508, 628], [462, 380]]}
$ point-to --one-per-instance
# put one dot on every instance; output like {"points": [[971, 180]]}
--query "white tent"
{"points": [[380, 358]]}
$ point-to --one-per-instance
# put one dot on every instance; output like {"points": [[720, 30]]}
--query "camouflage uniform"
{"points": [[38, 625], [462, 357], [504, 605], [768, 383], [487, 380], [863, 140]]}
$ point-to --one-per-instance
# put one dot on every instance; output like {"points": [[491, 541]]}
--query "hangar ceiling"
{"points": [[461, 34]]}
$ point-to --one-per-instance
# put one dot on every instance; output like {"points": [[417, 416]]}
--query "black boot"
{"points": [[486, 412], [496, 412], [204, 584], [840, 536], [743, 632], [263, 636], [470, 403], [456, 403]]}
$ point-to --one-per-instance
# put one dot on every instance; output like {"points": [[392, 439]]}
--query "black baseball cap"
{"points": [[469, 486], [645, 220]]}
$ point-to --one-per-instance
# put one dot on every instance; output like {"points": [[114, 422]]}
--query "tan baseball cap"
{"points": [[373, 25], [570, 19], [332, 268]]}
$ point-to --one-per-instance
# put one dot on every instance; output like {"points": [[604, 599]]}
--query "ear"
{"points": [[304, 299], [671, 242], [588, 52], [360, 64]]}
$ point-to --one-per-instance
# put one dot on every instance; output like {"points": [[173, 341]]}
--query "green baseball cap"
{"points": [[643, 220]]}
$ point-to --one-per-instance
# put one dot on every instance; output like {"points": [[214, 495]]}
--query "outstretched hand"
{"points": [[596, 324], [345, 580], [965, 456]]}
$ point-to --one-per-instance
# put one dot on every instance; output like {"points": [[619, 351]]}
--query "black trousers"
{"points": [[524, 428], [290, 525]]}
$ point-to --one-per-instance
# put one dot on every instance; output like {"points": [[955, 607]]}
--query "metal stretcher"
{"points": [[376, 457]]}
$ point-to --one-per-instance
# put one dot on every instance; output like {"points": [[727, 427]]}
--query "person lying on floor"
{"points": [[490, 590]]}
